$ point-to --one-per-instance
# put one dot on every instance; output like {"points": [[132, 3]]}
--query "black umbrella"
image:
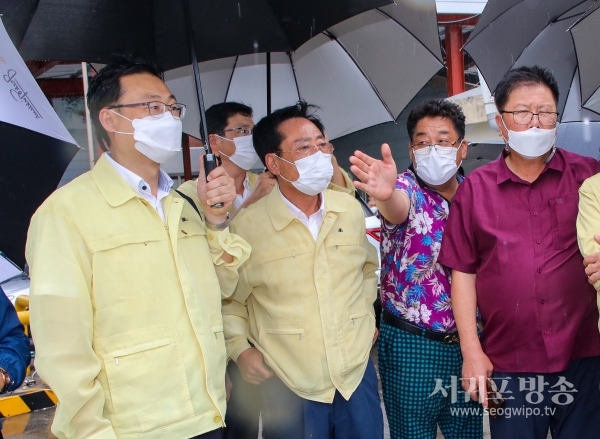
{"points": [[169, 32], [35, 149]]}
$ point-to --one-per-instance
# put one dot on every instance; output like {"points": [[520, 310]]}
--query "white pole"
{"points": [[88, 120]]}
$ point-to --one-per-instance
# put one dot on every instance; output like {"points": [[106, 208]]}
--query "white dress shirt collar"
{"points": [[142, 188], [316, 219]]}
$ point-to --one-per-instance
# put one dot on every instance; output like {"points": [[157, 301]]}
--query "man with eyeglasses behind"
{"points": [[301, 322], [127, 278], [511, 243], [418, 348]]}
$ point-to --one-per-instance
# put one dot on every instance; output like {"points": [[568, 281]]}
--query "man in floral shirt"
{"points": [[419, 355]]}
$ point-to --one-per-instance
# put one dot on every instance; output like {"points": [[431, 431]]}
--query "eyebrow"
{"points": [[307, 139]]}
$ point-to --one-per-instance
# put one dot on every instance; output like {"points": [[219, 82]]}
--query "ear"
{"points": [[410, 151], [500, 125], [463, 149], [107, 120], [272, 164], [214, 144]]}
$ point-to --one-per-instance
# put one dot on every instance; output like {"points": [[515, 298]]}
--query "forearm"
{"points": [[464, 307], [395, 209]]}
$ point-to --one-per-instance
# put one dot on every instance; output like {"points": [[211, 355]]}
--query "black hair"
{"points": [[436, 108], [266, 135], [218, 115], [520, 76], [105, 89]]}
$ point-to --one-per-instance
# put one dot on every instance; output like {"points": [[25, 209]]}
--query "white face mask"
{"points": [[158, 139], [315, 173], [245, 155], [437, 165], [374, 210], [532, 143]]}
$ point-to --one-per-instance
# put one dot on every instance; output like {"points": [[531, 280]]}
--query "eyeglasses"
{"points": [[156, 109], [442, 147], [244, 130], [306, 150], [523, 117]]}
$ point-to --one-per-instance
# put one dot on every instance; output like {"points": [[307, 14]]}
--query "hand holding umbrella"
{"points": [[216, 192]]}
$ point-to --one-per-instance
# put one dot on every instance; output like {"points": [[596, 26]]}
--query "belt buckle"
{"points": [[451, 339]]}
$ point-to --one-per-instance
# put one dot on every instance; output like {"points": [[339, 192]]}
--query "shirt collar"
{"points": [[281, 215], [136, 182], [503, 173], [297, 212]]}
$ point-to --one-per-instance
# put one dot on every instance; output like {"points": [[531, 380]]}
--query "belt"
{"points": [[397, 322]]}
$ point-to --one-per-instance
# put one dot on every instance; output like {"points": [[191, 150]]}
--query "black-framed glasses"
{"points": [[243, 130], [156, 108], [425, 147], [523, 117]]}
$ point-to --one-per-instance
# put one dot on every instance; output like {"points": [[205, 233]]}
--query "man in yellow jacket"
{"points": [[301, 320], [127, 277]]}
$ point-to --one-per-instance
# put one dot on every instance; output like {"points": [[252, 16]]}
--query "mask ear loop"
{"points": [[287, 161], [118, 114], [506, 148]]}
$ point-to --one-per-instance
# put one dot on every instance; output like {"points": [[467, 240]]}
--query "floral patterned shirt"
{"points": [[414, 286]]}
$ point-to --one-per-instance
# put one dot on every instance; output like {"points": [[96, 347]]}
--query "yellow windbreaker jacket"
{"points": [[126, 311]]}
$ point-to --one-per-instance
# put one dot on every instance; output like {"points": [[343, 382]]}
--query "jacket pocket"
{"points": [[563, 216], [147, 384]]}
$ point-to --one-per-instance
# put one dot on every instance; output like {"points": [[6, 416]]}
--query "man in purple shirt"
{"points": [[419, 355], [511, 243]]}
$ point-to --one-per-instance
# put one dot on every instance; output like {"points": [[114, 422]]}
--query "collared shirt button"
{"points": [[542, 301], [535, 214], [217, 419], [538, 241], [329, 399], [546, 332], [539, 270]]}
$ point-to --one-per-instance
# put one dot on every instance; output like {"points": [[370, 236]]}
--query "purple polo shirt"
{"points": [[538, 309]]}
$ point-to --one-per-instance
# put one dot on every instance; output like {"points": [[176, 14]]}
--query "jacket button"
{"points": [[217, 419]]}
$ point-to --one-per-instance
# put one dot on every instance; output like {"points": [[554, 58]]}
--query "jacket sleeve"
{"points": [[227, 242], [588, 218], [14, 344], [370, 278], [62, 325], [235, 318]]}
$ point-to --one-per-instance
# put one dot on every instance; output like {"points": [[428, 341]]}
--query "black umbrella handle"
{"points": [[210, 163]]}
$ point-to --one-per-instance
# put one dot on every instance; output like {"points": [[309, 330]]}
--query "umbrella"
{"points": [[516, 33], [35, 149], [360, 72], [171, 33], [585, 38]]}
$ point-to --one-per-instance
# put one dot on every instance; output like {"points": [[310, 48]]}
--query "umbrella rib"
{"points": [[289, 54], [413, 35], [237, 57], [562, 114], [475, 35], [334, 38]]}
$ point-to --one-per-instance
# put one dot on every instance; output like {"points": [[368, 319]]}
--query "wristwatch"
{"points": [[220, 226], [5, 380]]}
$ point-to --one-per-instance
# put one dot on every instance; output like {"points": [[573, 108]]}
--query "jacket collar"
{"points": [[281, 216], [111, 185]]}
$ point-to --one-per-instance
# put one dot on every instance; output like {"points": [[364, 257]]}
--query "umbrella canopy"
{"points": [[35, 149], [360, 72], [585, 37], [156, 30], [513, 33]]}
